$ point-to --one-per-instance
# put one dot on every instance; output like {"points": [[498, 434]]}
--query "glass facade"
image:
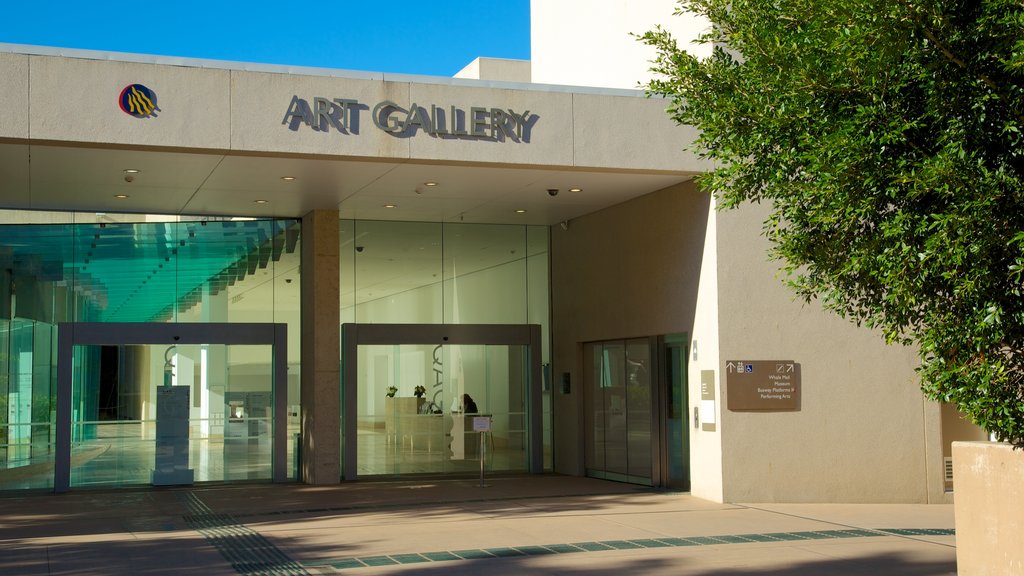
{"points": [[443, 273], [402, 433], [60, 267]]}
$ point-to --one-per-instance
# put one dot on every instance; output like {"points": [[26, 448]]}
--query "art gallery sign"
{"points": [[346, 116]]}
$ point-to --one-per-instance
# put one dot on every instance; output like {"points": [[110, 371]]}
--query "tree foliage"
{"points": [[887, 137]]}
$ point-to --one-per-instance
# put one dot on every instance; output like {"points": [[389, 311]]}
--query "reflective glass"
{"points": [[27, 403], [65, 267], [171, 414], [417, 404], [619, 417]]}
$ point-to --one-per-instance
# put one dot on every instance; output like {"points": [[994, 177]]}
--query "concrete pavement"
{"points": [[514, 525]]}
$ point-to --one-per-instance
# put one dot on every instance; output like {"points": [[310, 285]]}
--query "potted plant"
{"points": [[419, 391], [391, 390]]}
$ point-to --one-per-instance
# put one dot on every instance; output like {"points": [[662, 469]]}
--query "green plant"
{"points": [[888, 138]]}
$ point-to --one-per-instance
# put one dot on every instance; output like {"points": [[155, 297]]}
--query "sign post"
{"points": [[482, 425]]}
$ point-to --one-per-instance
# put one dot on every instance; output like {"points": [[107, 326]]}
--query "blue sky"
{"points": [[401, 36]]}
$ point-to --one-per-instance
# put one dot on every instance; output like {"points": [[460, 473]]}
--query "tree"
{"points": [[887, 137]]}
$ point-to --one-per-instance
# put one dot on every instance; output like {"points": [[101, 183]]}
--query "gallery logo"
{"points": [[138, 101]]}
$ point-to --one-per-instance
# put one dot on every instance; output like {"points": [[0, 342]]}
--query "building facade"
{"points": [[220, 272]]}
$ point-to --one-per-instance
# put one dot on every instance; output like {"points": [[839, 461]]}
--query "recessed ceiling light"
{"points": [[131, 171], [430, 183], [520, 211], [575, 189], [287, 178], [390, 206], [259, 201], [121, 196]]}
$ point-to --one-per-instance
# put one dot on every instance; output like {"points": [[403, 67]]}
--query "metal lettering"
{"points": [[437, 114], [346, 105], [476, 123], [456, 129], [500, 121], [298, 111], [416, 118], [383, 117]]}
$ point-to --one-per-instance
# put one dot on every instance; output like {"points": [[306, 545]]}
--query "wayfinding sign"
{"points": [[763, 385]]}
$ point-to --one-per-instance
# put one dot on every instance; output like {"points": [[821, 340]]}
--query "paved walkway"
{"points": [[520, 525]]}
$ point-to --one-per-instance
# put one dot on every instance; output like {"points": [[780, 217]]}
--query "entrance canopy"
{"points": [[246, 140]]}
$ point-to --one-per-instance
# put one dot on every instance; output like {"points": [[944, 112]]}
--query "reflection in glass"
{"points": [[65, 267], [440, 273], [171, 414], [402, 431], [617, 383]]}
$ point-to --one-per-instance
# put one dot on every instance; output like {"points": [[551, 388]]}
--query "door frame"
{"points": [[71, 334], [353, 335]]}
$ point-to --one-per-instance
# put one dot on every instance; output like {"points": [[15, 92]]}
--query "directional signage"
{"points": [[763, 385]]}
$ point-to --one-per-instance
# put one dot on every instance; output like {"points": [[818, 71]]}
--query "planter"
{"points": [[988, 479]]}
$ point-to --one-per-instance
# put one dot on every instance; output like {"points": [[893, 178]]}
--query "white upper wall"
{"points": [[500, 69], [588, 42]]}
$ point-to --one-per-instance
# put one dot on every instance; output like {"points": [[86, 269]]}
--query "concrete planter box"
{"points": [[988, 480]]}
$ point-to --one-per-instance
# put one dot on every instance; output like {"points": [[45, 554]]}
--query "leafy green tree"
{"points": [[887, 137]]}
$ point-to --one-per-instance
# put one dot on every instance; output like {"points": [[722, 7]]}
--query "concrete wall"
{"points": [[627, 271], [501, 69], [588, 42], [989, 509], [74, 100], [865, 432]]}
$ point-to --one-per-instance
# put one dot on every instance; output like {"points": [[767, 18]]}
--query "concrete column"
{"points": [[321, 349]]}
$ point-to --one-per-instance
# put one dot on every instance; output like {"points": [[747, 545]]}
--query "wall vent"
{"points": [[948, 466]]}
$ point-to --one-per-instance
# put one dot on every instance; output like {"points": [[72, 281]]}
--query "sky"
{"points": [[398, 36]]}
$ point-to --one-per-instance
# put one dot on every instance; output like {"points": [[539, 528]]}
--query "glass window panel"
{"points": [[433, 433], [26, 405], [593, 355], [397, 272], [138, 268], [159, 414], [485, 274], [639, 408], [613, 379]]}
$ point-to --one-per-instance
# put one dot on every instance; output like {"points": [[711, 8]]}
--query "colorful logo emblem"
{"points": [[138, 101]]}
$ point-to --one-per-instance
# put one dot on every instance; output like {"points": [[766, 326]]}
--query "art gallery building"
{"points": [[224, 272]]}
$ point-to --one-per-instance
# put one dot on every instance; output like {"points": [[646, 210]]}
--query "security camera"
{"points": [[359, 248], [552, 191], [129, 178]]}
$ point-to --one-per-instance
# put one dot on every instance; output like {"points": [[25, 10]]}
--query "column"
{"points": [[321, 351]]}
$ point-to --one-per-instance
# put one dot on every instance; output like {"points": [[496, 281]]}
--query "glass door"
{"points": [[177, 414], [676, 466], [170, 404], [417, 403], [619, 410], [410, 393]]}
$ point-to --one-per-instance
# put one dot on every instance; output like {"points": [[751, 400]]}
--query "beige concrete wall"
{"points": [[989, 508], [705, 442], [627, 271], [14, 96], [75, 101], [497, 69], [865, 432]]}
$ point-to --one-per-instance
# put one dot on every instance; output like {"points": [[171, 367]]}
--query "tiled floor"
{"points": [[514, 525]]}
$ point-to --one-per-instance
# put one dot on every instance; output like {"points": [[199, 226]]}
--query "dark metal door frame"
{"points": [[354, 335], [71, 334]]}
